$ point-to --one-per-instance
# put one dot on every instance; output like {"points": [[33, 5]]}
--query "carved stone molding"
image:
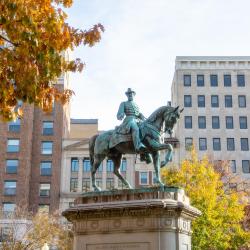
{"points": [[163, 215]]}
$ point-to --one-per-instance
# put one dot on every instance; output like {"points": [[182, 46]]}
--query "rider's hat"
{"points": [[130, 91]]}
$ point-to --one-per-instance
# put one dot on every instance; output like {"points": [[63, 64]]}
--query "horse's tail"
{"points": [[92, 148]]}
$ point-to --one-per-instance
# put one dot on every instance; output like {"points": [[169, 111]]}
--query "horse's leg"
{"points": [[97, 161], [117, 164], [156, 146], [156, 160], [168, 155]]}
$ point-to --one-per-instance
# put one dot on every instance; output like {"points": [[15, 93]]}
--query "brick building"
{"points": [[30, 157]]}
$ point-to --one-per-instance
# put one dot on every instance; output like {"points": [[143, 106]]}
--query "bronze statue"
{"points": [[146, 138], [130, 123]]}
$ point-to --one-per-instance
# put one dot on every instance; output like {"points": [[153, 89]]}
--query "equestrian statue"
{"points": [[136, 135]]}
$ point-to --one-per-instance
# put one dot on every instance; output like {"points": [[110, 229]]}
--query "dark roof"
{"points": [[84, 121]]}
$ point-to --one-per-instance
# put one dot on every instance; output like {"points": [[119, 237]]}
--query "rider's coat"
{"points": [[133, 116]]}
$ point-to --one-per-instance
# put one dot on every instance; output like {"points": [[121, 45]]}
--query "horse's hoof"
{"points": [[160, 184], [97, 189]]}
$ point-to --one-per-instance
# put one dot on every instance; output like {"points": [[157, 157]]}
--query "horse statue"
{"points": [[159, 122]]}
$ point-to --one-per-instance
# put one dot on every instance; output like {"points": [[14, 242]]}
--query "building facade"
{"points": [[215, 94], [30, 157]]}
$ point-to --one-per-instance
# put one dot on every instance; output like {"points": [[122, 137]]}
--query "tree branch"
{"points": [[7, 40]]}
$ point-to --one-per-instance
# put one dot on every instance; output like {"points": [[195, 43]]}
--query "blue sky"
{"points": [[139, 46]]}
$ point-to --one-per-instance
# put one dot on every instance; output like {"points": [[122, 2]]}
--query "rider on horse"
{"points": [[130, 123]]}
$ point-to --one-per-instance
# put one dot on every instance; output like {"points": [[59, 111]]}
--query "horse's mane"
{"points": [[157, 112]]}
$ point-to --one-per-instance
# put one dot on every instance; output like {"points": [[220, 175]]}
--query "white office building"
{"points": [[215, 94]]}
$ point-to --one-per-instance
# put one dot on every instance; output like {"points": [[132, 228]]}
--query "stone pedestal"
{"points": [[139, 219]]}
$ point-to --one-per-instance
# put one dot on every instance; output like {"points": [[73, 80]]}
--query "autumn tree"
{"points": [[220, 225], [34, 36], [23, 231]]}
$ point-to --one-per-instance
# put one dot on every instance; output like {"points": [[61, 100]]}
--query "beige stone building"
{"points": [[215, 94]]}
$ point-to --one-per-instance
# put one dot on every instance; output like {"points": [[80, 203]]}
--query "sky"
{"points": [[139, 46]]}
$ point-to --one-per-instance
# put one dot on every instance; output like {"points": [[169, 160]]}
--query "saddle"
{"points": [[117, 138]]}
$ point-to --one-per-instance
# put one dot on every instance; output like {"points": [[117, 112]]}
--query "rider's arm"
{"points": [[142, 117], [120, 113]]}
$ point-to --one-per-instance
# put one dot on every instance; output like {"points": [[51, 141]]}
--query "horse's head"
{"points": [[165, 118], [171, 116]]}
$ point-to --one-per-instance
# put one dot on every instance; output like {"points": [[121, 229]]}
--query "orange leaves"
{"points": [[35, 38], [93, 35]]}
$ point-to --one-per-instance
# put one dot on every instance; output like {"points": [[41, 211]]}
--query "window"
{"points": [[187, 101], [227, 81], [233, 166], [45, 167], [228, 101], [242, 101], [48, 128], [99, 182], [202, 144], [216, 144], [229, 122], [8, 209], [11, 166], [47, 147], [213, 80], [188, 143], [13, 145], [10, 187], [244, 144], [100, 168], [44, 189], [123, 166], [73, 184], [200, 80], [6, 233], [14, 126], [230, 144], [201, 101], [154, 179], [241, 80], [187, 80], [110, 183], [188, 121], [85, 184], [202, 121], [86, 165], [243, 122], [143, 178], [214, 101], [215, 122], [71, 204], [74, 165], [246, 166], [110, 166]]}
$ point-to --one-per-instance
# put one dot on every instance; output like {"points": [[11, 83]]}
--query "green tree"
{"points": [[34, 36], [220, 225]]}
